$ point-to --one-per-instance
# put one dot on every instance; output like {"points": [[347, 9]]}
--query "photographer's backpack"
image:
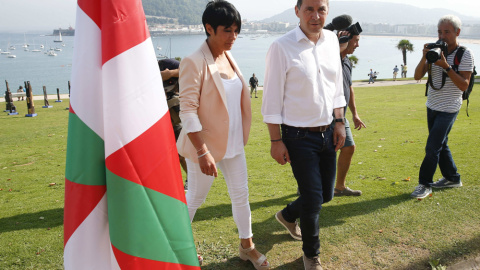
{"points": [[456, 63]]}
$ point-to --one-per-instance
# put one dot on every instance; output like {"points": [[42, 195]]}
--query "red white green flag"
{"points": [[125, 206]]}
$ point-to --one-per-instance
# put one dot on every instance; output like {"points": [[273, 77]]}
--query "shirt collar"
{"points": [[300, 35]]}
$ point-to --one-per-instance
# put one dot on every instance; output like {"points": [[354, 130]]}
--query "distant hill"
{"points": [[379, 12], [186, 11]]}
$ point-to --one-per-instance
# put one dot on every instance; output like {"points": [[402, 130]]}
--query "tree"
{"points": [[405, 45], [353, 59]]}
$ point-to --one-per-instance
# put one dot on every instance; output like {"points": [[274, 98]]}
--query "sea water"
{"points": [[375, 52]]}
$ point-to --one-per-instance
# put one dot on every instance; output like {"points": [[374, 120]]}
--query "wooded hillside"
{"points": [[186, 11]]}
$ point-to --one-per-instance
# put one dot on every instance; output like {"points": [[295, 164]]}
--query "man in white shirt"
{"points": [[303, 89]]}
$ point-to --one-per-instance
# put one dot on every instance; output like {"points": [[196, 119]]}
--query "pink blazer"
{"points": [[202, 93]]}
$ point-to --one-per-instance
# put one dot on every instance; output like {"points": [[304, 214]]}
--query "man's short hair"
{"points": [[453, 20], [169, 63], [300, 2], [220, 12]]}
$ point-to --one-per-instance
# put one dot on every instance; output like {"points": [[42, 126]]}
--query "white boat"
{"points": [[12, 47], [59, 37], [58, 49], [25, 45], [36, 50], [12, 56], [5, 52], [63, 44], [51, 53], [42, 46]]}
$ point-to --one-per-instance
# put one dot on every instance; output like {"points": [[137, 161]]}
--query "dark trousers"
{"points": [[437, 151], [313, 162]]}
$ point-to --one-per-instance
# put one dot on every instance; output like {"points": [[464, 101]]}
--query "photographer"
{"points": [[443, 103], [169, 70]]}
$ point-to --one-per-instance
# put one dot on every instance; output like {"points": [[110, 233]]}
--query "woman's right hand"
{"points": [[207, 165]]}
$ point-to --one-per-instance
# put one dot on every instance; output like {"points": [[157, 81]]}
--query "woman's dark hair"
{"points": [[220, 12]]}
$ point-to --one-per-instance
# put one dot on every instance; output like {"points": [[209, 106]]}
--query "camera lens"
{"points": [[433, 55]]}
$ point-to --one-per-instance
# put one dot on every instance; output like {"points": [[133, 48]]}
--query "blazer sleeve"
{"points": [[190, 82]]}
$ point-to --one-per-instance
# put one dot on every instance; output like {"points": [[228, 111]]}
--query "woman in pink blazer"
{"points": [[216, 116]]}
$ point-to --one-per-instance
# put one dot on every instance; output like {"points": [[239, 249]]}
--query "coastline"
{"points": [[40, 97]]}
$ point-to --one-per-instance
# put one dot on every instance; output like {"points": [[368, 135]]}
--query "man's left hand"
{"points": [[442, 62], [358, 122], [339, 136], [344, 45]]}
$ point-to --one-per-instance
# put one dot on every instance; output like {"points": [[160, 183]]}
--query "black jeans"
{"points": [[313, 161]]}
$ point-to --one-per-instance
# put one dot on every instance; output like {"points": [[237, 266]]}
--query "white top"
{"points": [[303, 81], [449, 98], [233, 90]]}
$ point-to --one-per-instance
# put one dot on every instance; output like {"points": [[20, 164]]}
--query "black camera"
{"points": [[354, 29], [436, 50]]}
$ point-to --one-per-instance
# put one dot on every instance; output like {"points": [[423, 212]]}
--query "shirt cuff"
{"points": [[273, 119], [339, 102], [191, 123]]}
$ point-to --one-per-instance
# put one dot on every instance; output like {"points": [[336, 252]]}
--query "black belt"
{"points": [[312, 129]]}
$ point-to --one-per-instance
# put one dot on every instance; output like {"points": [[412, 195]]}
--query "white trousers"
{"points": [[235, 173]]}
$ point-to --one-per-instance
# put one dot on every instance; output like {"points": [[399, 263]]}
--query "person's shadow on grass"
{"points": [[39, 220], [269, 232]]}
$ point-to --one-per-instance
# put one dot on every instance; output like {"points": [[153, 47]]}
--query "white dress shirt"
{"points": [[303, 80]]}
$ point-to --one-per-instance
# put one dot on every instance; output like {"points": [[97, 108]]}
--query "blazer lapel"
{"points": [[212, 67]]}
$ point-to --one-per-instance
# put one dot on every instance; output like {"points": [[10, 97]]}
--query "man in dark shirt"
{"points": [[346, 152], [253, 85], [169, 71]]}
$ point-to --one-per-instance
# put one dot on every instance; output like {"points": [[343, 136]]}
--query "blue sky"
{"points": [[35, 15]]}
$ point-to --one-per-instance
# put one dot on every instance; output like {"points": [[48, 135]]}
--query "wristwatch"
{"points": [[448, 68], [340, 120]]}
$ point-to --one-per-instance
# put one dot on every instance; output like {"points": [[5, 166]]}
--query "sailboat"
{"points": [[59, 37], [35, 47], [6, 51], [25, 45]]}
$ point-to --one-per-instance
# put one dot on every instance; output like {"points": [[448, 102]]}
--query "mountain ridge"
{"points": [[379, 12]]}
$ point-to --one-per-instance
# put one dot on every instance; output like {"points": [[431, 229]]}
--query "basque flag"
{"points": [[125, 207]]}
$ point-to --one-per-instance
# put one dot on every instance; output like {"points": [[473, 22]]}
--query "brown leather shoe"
{"points": [[312, 263], [292, 228]]}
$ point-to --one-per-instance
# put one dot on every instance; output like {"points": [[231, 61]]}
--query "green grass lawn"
{"points": [[382, 229]]}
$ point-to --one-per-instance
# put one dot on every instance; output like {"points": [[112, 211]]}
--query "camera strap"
{"points": [[444, 77]]}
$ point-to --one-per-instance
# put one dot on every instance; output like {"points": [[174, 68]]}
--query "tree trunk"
{"points": [[404, 52]]}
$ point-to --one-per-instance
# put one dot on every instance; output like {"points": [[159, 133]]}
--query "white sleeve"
{"points": [[339, 98], [274, 85]]}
